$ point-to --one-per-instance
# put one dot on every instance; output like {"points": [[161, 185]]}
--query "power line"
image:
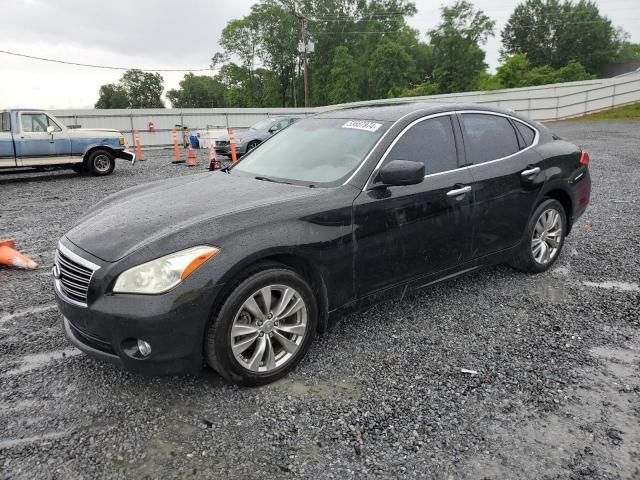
{"points": [[107, 67]]}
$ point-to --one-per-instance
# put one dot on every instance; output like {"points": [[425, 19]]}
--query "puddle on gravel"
{"points": [[321, 389], [551, 293], [561, 271], [596, 431], [614, 285], [25, 312], [36, 438], [39, 360]]}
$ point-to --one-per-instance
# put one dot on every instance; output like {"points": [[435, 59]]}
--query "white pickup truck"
{"points": [[35, 138]]}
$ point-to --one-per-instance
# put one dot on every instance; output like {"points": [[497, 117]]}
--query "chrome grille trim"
{"points": [[75, 275]]}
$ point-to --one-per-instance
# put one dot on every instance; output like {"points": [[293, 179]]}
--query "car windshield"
{"points": [[314, 151], [263, 124]]}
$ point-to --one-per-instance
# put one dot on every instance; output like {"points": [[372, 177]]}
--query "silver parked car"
{"points": [[248, 139]]}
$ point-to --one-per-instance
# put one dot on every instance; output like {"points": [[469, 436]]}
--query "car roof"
{"points": [[392, 112]]}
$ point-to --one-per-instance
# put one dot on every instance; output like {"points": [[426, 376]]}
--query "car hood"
{"points": [[139, 216]]}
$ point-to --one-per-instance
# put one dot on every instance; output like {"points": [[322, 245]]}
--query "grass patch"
{"points": [[628, 112]]}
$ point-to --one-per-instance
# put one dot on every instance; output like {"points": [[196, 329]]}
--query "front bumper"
{"points": [[109, 326], [226, 149], [126, 155]]}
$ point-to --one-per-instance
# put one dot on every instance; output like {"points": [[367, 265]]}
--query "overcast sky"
{"points": [[151, 34]]}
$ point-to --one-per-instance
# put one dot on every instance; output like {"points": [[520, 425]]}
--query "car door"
{"points": [[405, 232], [36, 146], [507, 178], [7, 152]]}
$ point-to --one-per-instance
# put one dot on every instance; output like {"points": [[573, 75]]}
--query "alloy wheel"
{"points": [[547, 236], [269, 328]]}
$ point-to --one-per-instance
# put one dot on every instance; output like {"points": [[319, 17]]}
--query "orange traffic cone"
{"points": [[191, 161], [12, 258]]}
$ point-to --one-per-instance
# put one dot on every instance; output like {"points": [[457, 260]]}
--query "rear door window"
{"points": [[431, 142], [488, 137]]}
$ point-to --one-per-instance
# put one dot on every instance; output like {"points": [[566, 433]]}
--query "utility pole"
{"points": [[303, 42]]}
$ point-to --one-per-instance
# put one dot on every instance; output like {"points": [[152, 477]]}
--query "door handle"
{"points": [[530, 171], [458, 191]]}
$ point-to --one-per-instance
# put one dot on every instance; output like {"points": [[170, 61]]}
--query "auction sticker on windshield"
{"points": [[362, 125]]}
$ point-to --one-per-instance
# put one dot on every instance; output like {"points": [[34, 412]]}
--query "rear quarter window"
{"points": [[488, 137], [527, 133], [5, 124]]}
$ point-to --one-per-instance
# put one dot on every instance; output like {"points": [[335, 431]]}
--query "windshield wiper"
{"points": [[267, 179]]}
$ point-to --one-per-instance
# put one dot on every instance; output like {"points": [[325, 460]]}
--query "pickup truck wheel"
{"points": [[101, 163], [264, 327]]}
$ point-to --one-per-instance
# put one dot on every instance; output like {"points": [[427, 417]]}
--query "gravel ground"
{"points": [[556, 394]]}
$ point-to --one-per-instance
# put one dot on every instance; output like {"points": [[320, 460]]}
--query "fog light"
{"points": [[144, 347]]}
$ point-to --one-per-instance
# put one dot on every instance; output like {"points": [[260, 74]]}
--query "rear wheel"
{"points": [[264, 327], [544, 238], [101, 163]]}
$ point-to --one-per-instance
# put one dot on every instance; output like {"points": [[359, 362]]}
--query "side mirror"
{"points": [[273, 130], [51, 129], [401, 172]]}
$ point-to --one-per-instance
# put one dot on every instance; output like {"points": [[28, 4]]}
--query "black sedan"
{"points": [[339, 210]]}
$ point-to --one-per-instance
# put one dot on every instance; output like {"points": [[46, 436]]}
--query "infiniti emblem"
{"points": [[56, 272]]}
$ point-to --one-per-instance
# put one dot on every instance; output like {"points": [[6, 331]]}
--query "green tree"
{"points": [[629, 52], [112, 96], [197, 91], [278, 41], [390, 67], [344, 86], [553, 33], [242, 38], [513, 72], [457, 57], [144, 89], [486, 82], [572, 72]]}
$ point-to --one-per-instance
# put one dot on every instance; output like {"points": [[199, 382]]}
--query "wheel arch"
{"points": [[562, 195], [94, 148], [296, 262]]}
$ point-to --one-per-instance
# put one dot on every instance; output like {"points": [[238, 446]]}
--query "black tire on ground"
{"points": [[251, 145], [525, 259], [217, 343], [101, 163]]}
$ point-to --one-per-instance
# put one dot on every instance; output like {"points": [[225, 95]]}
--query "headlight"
{"points": [[164, 273], [121, 140]]}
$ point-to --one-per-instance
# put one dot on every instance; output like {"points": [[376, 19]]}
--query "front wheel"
{"points": [[544, 238], [101, 163], [252, 144], [264, 328]]}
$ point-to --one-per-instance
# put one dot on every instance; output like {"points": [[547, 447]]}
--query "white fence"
{"points": [[544, 103]]}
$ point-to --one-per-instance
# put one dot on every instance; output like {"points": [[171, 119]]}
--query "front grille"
{"points": [[222, 143], [74, 278]]}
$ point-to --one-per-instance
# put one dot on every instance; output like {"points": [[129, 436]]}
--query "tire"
{"points": [[251, 145], [101, 163], [260, 357], [541, 245]]}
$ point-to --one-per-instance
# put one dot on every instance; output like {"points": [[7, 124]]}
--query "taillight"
{"points": [[584, 158]]}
